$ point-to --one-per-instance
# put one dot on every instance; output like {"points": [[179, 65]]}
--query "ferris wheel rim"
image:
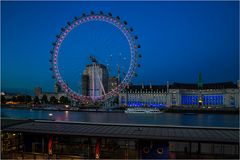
{"points": [[122, 26]]}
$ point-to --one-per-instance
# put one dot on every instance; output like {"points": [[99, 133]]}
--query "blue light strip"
{"points": [[207, 99], [140, 104], [189, 99]]}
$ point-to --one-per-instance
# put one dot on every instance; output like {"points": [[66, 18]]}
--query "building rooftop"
{"points": [[175, 85], [147, 87], [221, 85], [98, 64], [129, 131]]}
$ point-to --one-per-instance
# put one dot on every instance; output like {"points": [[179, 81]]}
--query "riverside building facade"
{"points": [[225, 94]]}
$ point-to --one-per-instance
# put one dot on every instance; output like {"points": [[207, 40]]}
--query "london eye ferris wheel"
{"points": [[110, 44]]}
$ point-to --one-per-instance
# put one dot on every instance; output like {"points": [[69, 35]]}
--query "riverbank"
{"points": [[186, 119], [223, 110], [60, 108]]}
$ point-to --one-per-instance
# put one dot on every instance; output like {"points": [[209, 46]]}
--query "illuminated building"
{"points": [[38, 91], [57, 88], [85, 85], [140, 95], [224, 94], [95, 80], [112, 83]]}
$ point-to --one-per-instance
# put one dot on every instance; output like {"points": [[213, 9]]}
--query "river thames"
{"points": [[211, 120]]}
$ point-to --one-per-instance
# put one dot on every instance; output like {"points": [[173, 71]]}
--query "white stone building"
{"points": [[224, 94]]}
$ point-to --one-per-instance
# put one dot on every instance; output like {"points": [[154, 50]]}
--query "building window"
{"points": [[214, 100]]}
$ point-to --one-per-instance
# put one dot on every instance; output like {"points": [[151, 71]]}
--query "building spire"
{"points": [[167, 86], [200, 81]]}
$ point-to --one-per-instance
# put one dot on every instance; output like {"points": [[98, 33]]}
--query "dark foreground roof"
{"points": [[7, 122], [165, 133]]}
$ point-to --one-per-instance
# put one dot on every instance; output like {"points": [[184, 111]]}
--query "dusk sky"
{"points": [[178, 40]]}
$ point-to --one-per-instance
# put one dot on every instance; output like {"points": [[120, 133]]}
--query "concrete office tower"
{"points": [[85, 85], [95, 80], [112, 83], [38, 91], [57, 88]]}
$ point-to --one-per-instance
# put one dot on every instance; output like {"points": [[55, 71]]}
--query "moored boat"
{"points": [[142, 110]]}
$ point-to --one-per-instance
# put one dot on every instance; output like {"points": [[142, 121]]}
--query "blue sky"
{"points": [[178, 40]]}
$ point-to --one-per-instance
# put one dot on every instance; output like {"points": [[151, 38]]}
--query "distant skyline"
{"points": [[178, 39]]}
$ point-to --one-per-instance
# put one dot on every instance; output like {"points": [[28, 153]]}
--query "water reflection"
{"points": [[66, 116], [221, 120]]}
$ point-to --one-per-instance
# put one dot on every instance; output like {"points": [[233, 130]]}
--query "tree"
{"points": [[64, 100], [28, 99], [3, 99], [44, 99], [53, 100], [14, 99], [36, 100], [116, 100], [20, 98]]}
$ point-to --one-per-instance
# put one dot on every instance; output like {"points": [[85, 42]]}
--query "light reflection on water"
{"points": [[218, 120]]}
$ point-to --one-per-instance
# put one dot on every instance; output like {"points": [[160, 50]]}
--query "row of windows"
{"points": [[141, 104], [189, 100], [150, 96], [145, 101], [145, 92], [206, 100], [213, 100], [162, 98]]}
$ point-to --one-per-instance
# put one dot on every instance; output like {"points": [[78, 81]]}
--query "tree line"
{"points": [[36, 100]]}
